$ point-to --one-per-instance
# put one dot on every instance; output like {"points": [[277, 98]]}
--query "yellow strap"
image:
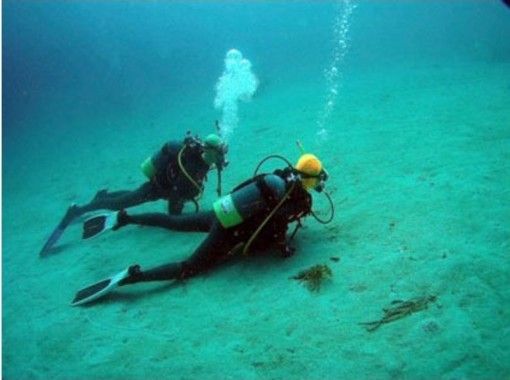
{"points": [[186, 174]]}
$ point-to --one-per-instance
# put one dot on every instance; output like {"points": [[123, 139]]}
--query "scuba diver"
{"points": [[176, 173], [253, 217]]}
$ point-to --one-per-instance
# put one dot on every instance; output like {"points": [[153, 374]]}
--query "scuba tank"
{"points": [[158, 161], [232, 209]]}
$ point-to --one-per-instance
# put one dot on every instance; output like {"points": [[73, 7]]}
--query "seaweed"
{"points": [[400, 309], [314, 276]]}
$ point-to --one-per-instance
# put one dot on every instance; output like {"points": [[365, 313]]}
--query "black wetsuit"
{"points": [[221, 241], [169, 182]]}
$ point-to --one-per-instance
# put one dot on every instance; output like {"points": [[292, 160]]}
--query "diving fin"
{"points": [[71, 214], [99, 224], [99, 289]]}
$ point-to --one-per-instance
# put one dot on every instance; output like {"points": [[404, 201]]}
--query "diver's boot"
{"points": [[172, 271], [134, 275], [123, 219]]}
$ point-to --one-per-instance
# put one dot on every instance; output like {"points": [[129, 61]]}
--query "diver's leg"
{"points": [[102, 200], [113, 194], [198, 222], [217, 244], [120, 199]]}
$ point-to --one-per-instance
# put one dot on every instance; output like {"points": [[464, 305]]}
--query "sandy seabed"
{"points": [[419, 163]]}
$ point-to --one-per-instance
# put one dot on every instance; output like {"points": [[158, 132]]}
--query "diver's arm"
{"points": [[295, 208], [281, 240]]}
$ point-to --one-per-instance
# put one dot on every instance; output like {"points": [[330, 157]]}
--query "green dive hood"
{"points": [[213, 149], [213, 140]]}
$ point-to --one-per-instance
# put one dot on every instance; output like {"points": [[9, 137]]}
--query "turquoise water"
{"points": [[417, 147]]}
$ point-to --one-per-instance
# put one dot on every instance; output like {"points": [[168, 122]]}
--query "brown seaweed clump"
{"points": [[314, 276], [400, 309]]}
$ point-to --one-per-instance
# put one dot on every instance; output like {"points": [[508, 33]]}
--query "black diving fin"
{"points": [[99, 224], [70, 215], [99, 289]]}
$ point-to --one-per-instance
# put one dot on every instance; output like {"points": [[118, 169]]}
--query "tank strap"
{"points": [[186, 174]]}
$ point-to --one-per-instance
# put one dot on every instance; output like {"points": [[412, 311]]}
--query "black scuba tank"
{"points": [[246, 201]]}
